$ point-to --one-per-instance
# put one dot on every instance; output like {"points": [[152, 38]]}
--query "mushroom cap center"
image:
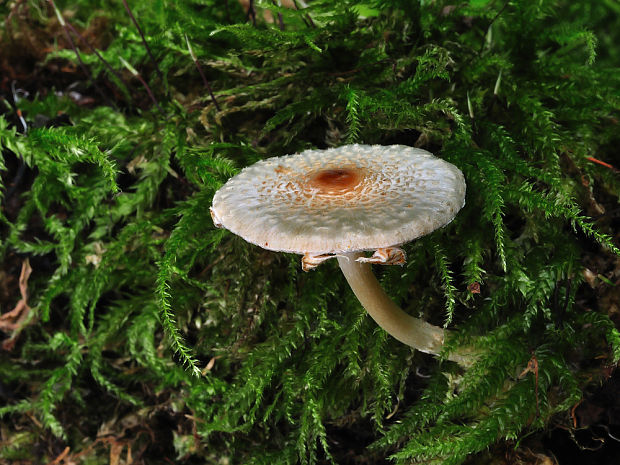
{"points": [[335, 180]]}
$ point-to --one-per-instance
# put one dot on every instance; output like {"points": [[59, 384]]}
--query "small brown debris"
{"points": [[474, 288], [14, 320], [61, 457]]}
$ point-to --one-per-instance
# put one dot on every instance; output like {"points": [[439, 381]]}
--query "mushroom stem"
{"points": [[414, 332]]}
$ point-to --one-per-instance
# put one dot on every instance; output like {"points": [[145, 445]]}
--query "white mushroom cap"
{"points": [[346, 199]]}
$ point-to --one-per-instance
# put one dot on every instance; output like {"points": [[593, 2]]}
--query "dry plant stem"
{"points": [[146, 45], [98, 55], [409, 330], [148, 90], [85, 70], [204, 78]]}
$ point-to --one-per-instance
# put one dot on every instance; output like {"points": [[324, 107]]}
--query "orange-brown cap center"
{"points": [[335, 180]]}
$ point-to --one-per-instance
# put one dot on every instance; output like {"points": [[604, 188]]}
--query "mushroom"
{"points": [[341, 202]]}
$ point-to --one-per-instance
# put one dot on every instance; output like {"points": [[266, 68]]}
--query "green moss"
{"points": [[138, 300]]}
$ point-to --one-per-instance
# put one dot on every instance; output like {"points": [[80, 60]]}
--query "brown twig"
{"points": [[602, 163], [86, 71], [307, 18], [15, 319], [251, 13], [21, 309], [204, 79], [572, 413], [133, 71], [61, 457], [146, 45], [532, 367], [501, 10], [280, 18], [148, 90], [97, 54]]}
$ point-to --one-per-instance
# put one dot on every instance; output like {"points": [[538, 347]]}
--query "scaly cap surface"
{"points": [[345, 199]]}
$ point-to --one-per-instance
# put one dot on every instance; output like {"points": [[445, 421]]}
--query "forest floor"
{"points": [[594, 437]]}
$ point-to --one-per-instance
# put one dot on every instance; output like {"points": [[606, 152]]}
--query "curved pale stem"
{"points": [[414, 332]]}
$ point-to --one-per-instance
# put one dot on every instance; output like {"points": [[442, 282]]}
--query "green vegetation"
{"points": [[153, 335]]}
